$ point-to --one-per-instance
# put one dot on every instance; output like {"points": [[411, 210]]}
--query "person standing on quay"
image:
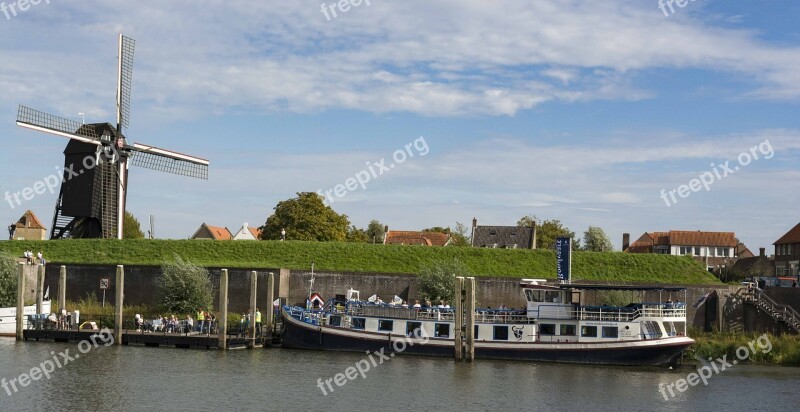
{"points": [[283, 234]]}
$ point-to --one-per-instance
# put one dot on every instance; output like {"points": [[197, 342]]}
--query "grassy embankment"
{"points": [[359, 257], [785, 348]]}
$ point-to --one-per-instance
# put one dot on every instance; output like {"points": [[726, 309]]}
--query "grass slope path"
{"points": [[359, 257]]}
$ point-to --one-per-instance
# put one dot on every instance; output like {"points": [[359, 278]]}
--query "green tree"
{"points": [[306, 217], [595, 240], [357, 235], [437, 229], [131, 229], [528, 221], [184, 288], [437, 281], [8, 281], [460, 235], [547, 232], [375, 231]]}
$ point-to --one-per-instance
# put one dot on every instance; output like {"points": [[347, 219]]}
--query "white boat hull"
{"points": [[8, 318]]}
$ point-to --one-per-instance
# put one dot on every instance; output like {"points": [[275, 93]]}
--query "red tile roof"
{"points": [[698, 238], [217, 233], [647, 241], [255, 231], [792, 236], [29, 221], [398, 237], [220, 233]]}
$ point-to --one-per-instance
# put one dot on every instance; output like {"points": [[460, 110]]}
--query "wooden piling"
{"points": [[20, 301], [39, 289], [469, 307], [62, 290], [458, 305], [222, 328], [120, 300], [251, 332], [269, 310]]}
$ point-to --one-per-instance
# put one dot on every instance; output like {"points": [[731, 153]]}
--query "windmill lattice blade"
{"points": [[167, 164], [127, 46], [48, 122]]}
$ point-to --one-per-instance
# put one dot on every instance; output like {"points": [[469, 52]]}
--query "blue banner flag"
{"points": [[564, 258]]}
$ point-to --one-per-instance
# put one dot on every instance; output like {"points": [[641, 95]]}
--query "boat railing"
{"points": [[502, 316], [399, 312], [610, 313]]}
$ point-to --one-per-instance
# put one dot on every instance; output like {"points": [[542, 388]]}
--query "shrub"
{"points": [[437, 281], [8, 281], [184, 287]]}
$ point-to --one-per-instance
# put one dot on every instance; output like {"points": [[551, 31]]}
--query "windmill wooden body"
{"points": [[91, 202]]}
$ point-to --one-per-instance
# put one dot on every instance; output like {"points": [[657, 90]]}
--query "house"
{"points": [[760, 266], [247, 233], [787, 253], [402, 237], [504, 237], [212, 232], [28, 227], [715, 249]]}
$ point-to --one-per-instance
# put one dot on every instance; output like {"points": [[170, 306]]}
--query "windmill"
{"points": [[91, 202]]}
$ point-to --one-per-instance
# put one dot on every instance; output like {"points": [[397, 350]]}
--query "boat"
{"points": [[554, 327], [8, 318]]}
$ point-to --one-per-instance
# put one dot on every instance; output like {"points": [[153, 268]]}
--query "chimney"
{"points": [[533, 235], [762, 251], [472, 233], [386, 229], [626, 241]]}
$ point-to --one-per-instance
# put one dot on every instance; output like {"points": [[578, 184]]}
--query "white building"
{"points": [[247, 233]]}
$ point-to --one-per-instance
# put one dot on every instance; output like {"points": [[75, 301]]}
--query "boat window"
{"points": [[529, 295], [547, 329], [610, 332], [552, 296], [385, 325], [501, 333], [442, 330], [335, 321], [589, 331], [414, 329], [359, 323], [536, 295], [567, 330]]}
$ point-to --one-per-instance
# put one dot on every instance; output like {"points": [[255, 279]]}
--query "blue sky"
{"points": [[581, 111]]}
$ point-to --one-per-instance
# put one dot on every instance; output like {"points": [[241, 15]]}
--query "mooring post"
{"points": [[222, 328], [39, 291], [62, 290], [20, 301], [458, 305], [251, 332], [269, 310], [120, 299], [470, 318]]}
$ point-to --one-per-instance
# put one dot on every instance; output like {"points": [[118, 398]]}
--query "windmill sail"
{"points": [[154, 158], [125, 81], [48, 123]]}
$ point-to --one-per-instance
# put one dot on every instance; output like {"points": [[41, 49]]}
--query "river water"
{"points": [[159, 379]]}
